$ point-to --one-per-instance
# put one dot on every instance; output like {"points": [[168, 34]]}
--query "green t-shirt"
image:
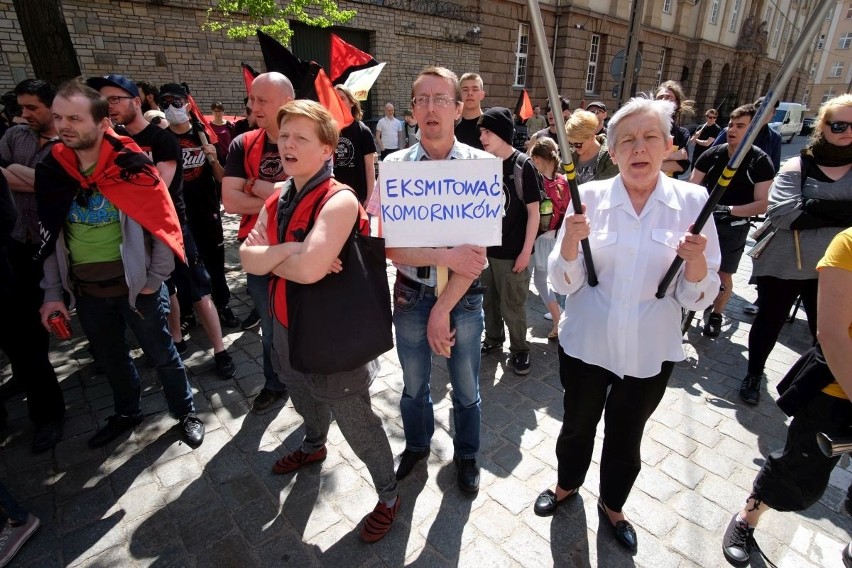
{"points": [[92, 230]]}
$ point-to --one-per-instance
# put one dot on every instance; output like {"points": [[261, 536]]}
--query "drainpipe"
{"points": [[556, 31]]}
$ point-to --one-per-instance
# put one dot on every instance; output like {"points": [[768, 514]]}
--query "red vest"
{"points": [[253, 142], [297, 231]]}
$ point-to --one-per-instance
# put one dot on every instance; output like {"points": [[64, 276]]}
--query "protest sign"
{"points": [[436, 203]]}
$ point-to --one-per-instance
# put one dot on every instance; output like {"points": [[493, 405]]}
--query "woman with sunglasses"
{"points": [[810, 202], [589, 152]]}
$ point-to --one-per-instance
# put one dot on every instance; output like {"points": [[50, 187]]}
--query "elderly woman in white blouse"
{"points": [[618, 343]]}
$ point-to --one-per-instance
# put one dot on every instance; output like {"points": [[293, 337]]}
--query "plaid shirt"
{"points": [[20, 145]]}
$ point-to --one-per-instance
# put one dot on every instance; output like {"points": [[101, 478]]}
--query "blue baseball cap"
{"points": [[119, 81]]}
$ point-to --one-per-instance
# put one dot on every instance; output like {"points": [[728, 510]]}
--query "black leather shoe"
{"points": [[407, 461], [546, 503], [467, 473], [115, 426], [750, 389], [46, 436], [192, 430], [622, 530]]}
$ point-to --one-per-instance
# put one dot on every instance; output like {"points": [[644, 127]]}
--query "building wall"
{"points": [[838, 24]]}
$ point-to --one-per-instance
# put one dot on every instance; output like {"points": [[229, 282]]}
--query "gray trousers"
{"points": [[360, 425]]}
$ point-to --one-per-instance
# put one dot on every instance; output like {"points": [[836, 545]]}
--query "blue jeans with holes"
{"points": [[105, 322], [258, 289], [412, 306]]}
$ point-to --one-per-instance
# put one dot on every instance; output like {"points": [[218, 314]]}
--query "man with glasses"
{"points": [[705, 135], [599, 109], [422, 320]]}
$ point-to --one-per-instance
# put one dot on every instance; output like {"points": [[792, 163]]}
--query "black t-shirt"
{"points": [[681, 140], [515, 219], [199, 185], [161, 146], [356, 141], [270, 162], [467, 132], [756, 167], [706, 131]]}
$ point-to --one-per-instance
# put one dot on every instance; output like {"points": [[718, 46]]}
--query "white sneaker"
{"points": [[548, 317]]}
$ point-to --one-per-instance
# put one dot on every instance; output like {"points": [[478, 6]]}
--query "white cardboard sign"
{"points": [[435, 203]]}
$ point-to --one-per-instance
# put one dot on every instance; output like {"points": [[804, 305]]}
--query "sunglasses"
{"points": [[838, 126], [577, 145], [177, 103]]}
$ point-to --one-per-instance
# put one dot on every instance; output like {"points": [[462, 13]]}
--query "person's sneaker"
{"points": [[187, 322], [225, 367], [252, 320], [227, 317], [751, 309], [547, 316], [265, 400], [46, 436], [737, 542], [377, 524], [521, 363], [713, 327], [292, 462], [490, 347], [13, 537], [181, 347], [192, 430], [115, 426], [750, 389]]}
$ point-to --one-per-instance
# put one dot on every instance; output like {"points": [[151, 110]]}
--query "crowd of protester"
{"points": [[111, 201]]}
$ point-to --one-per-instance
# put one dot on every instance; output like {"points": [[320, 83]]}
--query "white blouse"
{"points": [[620, 324]]}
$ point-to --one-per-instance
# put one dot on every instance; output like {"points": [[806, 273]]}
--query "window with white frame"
{"points": [[845, 41], [849, 12], [667, 6], [714, 11], [829, 94], [521, 55], [836, 70], [662, 66], [592, 68], [735, 14]]}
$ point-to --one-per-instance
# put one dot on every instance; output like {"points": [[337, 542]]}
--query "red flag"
{"points": [[524, 108], [196, 113], [346, 58], [248, 76], [328, 98]]}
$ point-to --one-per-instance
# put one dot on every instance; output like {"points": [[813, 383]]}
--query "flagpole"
{"points": [[561, 135], [768, 106]]}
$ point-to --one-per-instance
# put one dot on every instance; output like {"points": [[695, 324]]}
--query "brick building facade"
{"points": [[162, 41]]}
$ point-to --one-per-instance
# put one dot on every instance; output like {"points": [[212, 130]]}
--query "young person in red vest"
{"points": [[110, 235], [252, 173], [313, 200]]}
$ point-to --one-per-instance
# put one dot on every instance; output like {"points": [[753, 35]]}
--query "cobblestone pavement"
{"points": [[149, 500]]}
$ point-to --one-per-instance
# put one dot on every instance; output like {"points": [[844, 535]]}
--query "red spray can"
{"points": [[59, 325]]}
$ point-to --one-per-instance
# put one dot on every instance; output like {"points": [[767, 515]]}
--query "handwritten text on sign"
{"points": [[437, 203]]}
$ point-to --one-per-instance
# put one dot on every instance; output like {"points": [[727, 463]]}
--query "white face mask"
{"points": [[176, 115]]}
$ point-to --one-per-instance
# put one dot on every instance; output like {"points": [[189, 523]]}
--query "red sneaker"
{"points": [[377, 524], [297, 459]]}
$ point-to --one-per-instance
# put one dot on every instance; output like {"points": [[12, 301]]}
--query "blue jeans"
{"points": [[258, 289], [9, 508], [105, 322], [412, 306]]}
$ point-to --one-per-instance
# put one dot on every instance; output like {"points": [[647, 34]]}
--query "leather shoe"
{"points": [[622, 530], [407, 461], [46, 436], [546, 503], [467, 473], [192, 430]]}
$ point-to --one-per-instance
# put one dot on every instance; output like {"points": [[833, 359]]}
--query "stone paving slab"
{"points": [[149, 500]]}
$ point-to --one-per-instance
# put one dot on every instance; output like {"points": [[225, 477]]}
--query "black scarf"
{"points": [[826, 154], [291, 196]]}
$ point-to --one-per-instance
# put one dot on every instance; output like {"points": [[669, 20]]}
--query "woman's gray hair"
{"points": [[644, 104]]}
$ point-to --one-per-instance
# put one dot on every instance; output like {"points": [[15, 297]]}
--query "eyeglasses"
{"points": [[440, 101], [838, 126], [115, 99], [577, 145], [598, 111], [177, 103]]}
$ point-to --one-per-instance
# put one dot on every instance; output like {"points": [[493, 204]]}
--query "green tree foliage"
{"points": [[240, 18]]}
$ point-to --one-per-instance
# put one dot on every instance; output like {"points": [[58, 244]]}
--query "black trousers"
{"points": [[206, 227], [626, 408], [25, 341], [795, 477], [777, 297]]}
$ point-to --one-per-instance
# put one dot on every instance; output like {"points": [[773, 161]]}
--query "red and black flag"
{"points": [[248, 76], [308, 78], [346, 58], [523, 108]]}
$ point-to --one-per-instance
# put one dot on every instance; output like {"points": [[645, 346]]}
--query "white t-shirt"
{"points": [[389, 129]]}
